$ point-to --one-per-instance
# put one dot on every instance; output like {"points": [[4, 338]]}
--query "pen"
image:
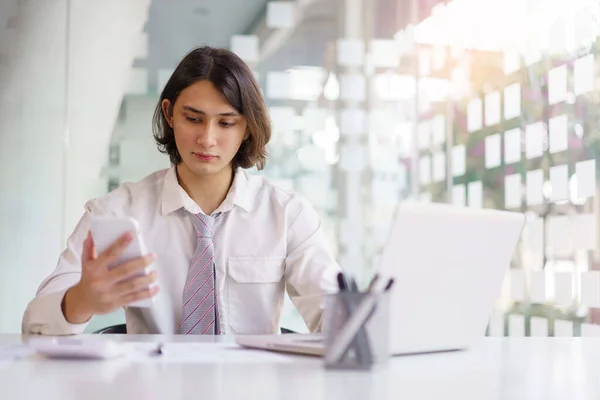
{"points": [[342, 284], [373, 281], [389, 284], [360, 340]]}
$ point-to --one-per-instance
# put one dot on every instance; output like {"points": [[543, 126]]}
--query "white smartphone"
{"points": [[107, 230], [76, 348]]}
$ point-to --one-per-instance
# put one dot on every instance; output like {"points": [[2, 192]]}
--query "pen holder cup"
{"points": [[370, 345]]}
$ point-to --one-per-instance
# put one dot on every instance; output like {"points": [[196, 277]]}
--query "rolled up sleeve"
{"points": [[44, 314], [310, 268]]}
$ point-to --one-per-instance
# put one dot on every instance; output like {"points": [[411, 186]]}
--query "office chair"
{"points": [[122, 329]]}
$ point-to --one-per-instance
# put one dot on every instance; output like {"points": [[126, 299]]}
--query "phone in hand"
{"points": [[106, 230]]}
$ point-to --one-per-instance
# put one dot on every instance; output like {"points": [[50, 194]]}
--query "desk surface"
{"points": [[509, 368]]}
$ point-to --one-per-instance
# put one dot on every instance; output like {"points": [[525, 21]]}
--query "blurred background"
{"points": [[480, 103]]}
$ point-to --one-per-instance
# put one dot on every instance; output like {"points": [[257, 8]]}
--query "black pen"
{"points": [[360, 341], [389, 284], [342, 284]]}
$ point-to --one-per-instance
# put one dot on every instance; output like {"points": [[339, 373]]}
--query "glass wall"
{"points": [[480, 103], [519, 110]]}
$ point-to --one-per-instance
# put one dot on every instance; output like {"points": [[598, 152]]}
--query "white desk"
{"points": [[516, 368]]}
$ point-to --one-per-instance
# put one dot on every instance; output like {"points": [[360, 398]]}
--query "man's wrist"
{"points": [[73, 306]]}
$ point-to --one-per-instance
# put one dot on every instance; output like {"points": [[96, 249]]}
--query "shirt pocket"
{"points": [[256, 291]]}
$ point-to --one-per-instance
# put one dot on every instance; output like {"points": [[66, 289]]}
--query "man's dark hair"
{"points": [[236, 82]]}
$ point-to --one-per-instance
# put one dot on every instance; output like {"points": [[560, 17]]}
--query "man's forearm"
{"points": [[74, 308]]}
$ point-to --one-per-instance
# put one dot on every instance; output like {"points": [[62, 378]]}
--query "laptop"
{"points": [[448, 263]]}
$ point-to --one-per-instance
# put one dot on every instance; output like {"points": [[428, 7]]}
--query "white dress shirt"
{"points": [[266, 240]]}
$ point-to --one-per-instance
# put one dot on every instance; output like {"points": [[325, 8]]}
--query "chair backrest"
{"points": [[116, 329]]}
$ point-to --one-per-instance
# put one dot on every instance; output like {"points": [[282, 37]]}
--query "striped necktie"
{"points": [[199, 314]]}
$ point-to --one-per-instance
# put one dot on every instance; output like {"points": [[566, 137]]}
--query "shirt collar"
{"points": [[174, 197]]}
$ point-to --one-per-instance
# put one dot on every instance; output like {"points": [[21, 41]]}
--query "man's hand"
{"points": [[102, 290]]}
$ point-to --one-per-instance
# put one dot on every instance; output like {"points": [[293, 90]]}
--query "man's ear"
{"points": [[166, 109]]}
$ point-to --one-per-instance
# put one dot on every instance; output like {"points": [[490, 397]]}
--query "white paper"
{"points": [[559, 180], [353, 122], [384, 54], [539, 327], [352, 87], [439, 166], [534, 140], [475, 194], [512, 101], [516, 325], [425, 170], [512, 146], [350, 52], [563, 292], [563, 328], [585, 232], [438, 124], [590, 330], [583, 75], [199, 353], [474, 115], [492, 151], [13, 352], [281, 14], [496, 325], [459, 160], [557, 84], [538, 287], [590, 289], [559, 241], [424, 135], [246, 47], [517, 284], [535, 182], [459, 195], [492, 108], [558, 133], [586, 178], [512, 62], [352, 157], [512, 191], [279, 85]]}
